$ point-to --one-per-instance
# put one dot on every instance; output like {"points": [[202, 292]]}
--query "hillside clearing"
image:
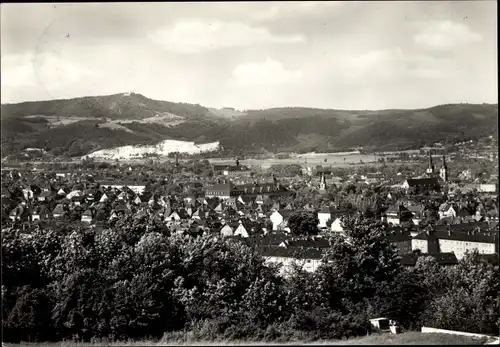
{"points": [[408, 338]]}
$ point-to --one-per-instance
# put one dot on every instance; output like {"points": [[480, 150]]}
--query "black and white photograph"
{"points": [[249, 173]]}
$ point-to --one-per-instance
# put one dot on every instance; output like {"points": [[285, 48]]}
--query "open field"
{"points": [[307, 160], [408, 338], [263, 163]]}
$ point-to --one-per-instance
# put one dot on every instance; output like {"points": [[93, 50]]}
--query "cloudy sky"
{"points": [[344, 55]]}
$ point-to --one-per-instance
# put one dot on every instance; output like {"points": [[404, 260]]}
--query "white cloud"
{"points": [[264, 73], [445, 35], [376, 63], [268, 12], [17, 71], [55, 73], [393, 64], [197, 36], [45, 71], [428, 73]]}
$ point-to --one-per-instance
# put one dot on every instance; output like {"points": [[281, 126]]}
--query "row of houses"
{"points": [[227, 189], [277, 248]]}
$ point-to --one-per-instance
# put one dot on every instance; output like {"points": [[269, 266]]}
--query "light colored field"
{"points": [[307, 160], [114, 126], [166, 119], [59, 121], [408, 338], [163, 148], [228, 113]]}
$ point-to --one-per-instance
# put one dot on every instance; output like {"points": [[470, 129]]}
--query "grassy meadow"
{"points": [[407, 338]]}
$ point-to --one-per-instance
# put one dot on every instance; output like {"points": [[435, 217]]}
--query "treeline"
{"points": [[273, 130], [116, 106], [136, 281]]}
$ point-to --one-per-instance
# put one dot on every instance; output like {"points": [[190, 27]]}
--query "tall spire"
{"points": [[443, 172], [322, 182], [430, 169]]}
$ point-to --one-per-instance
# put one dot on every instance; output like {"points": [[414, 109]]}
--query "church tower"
{"points": [[430, 169], [443, 172], [322, 182]]}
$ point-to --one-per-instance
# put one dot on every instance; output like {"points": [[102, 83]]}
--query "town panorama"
{"points": [[262, 172]]}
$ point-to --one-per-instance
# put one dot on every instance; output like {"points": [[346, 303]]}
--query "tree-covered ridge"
{"points": [[254, 131], [116, 106], [135, 280]]}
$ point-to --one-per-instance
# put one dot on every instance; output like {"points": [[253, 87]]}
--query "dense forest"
{"points": [[134, 280], [91, 123]]}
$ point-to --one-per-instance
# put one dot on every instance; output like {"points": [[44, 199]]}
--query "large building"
{"points": [[231, 170], [137, 188], [430, 184], [443, 171], [227, 189], [458, 239], [307, 253], [223, 190]]}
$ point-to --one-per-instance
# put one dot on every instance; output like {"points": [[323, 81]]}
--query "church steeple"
{"points": [[443, 172], [322, 182], [430, 169]]}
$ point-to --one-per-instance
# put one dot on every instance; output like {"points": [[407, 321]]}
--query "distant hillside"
{"points": [[304, 129], [117, 106], [79, 126]]}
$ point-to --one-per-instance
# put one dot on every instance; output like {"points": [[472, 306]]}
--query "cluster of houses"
{"points": [[242, 210]]}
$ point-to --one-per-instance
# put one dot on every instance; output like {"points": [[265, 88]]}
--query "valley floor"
{"points": [[407, 338]]}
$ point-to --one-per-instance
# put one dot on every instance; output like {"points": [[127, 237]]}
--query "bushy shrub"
{"points": [[134, 282], [28, 317]]}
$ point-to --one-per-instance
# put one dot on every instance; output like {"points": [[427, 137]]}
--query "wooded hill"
{"points": [[78, 126]]}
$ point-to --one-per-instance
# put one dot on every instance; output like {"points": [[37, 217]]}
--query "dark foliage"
{"points": [[134, 281], [278, 129]]}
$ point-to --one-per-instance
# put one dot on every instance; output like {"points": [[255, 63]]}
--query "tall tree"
{"points": [[356, 265], [303, 223]]}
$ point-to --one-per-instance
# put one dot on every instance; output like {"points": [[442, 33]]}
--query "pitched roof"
{"points": [[285, 213], [415, 182], [445, 206], [223, 187], [259, 188], [467, 232], [396, 208], [58, 209], [87, 213], [273, 239], [417, 210]]}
